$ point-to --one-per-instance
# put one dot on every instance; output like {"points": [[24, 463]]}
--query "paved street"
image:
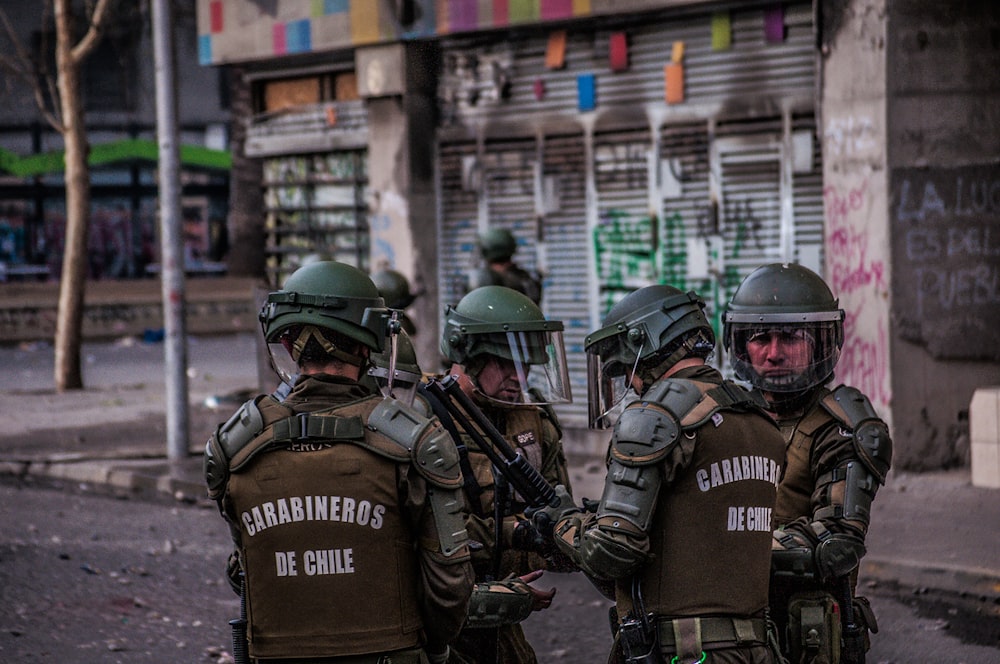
{"points": [[118, 564]]}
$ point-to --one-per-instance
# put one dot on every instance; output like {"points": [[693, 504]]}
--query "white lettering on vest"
{"points": [[322, 562], [294, 509], [285, 564], [738, 469], [752, 519]]}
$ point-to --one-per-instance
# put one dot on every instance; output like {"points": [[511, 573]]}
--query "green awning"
{"points": [[108, 154]]}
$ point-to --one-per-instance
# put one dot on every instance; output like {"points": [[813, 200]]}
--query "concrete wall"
{"points": [[858, 266], [943, 84]]}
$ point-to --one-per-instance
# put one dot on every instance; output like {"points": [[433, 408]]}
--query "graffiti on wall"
{"points": [[947, 240], [857, 276]]}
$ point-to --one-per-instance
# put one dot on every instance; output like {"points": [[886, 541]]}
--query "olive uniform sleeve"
{"points": [[645, 455], [847, 466], [446, 581]]}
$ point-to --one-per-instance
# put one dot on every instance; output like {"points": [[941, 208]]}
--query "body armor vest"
{"points": [[321, 526], [523, 429], [795, 492], [710, 535]]}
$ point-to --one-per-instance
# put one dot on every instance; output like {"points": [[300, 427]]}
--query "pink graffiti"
{"points": [[847, 247], [864, 362]]}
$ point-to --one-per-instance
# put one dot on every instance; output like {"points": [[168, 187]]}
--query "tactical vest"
{"points": [[710, 533], [322, 529], [795, 492], [524, 430]]}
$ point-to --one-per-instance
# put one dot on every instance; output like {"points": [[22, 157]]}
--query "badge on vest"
{"points": [[525, 438]]}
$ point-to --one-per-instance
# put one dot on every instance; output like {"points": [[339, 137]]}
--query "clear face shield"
{"points": [[520, 367], [609, 382], [785, 357], [281, 350]]}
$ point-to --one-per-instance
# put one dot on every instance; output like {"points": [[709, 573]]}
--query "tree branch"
{"points": [[24, 67], [94, 32]]}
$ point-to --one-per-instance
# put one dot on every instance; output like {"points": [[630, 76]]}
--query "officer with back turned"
{"points": [[681, 537], [334, 493], [784, 331]]}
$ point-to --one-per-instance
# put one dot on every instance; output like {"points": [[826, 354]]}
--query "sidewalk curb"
{"points": [[975, 587], [133, 473]]}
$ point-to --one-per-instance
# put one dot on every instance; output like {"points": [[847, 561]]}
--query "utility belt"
{"points": [[681, 636], [687, 639], [408, 656]]}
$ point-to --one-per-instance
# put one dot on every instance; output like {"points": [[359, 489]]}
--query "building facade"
{"points": [[672, 142]]}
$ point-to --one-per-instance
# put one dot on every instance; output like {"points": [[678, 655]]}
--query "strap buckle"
{"points": [[303, 419]]}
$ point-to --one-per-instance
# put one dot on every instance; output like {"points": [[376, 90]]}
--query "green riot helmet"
{"points": [[394, 288], [333, 305], [497, 329], [497, 244], [407, 374], [776, 308], [644, 334]]}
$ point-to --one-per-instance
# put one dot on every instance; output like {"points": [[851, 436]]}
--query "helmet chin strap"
{"points": [[312, 332]]}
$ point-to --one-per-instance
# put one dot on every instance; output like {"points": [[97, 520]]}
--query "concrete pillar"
{"points": [[399, 82], [984, 432]]}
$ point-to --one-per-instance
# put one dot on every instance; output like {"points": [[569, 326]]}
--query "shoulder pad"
{"points": [[245, 424], [849, 406], [420, 439], [398, 426], [227, 441], [422, 404], [644, 434], [677, 395], [870, 434]]}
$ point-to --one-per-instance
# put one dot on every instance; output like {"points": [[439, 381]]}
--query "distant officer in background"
{"points": [[784, 331], [497, 247], [394, 288], [683, 529], [511, 362], [334, 493]]}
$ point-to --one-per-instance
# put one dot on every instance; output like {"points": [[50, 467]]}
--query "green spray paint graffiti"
{"points": [[633, 251]]}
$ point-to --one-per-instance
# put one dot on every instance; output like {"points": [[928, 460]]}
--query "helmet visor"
{"points": [[521, 367], [282, 362], [785, 357], [609, 380]]}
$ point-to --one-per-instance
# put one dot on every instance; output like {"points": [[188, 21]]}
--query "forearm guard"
{"points": [[506, 602], [813, 552]]}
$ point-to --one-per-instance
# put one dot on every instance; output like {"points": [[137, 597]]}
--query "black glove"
{"points": [[526, 537], [545, 518]]}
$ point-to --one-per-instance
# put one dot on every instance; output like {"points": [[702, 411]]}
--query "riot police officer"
{"points": [[334, 493], [682, 531], [784, 331], [510, 361], [497, 247]]}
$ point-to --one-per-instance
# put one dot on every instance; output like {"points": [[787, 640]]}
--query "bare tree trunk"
{"points": [[246, 199], [68, 374]]}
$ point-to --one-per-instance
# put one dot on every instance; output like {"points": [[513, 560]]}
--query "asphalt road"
{"points": [[90, 577]]}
